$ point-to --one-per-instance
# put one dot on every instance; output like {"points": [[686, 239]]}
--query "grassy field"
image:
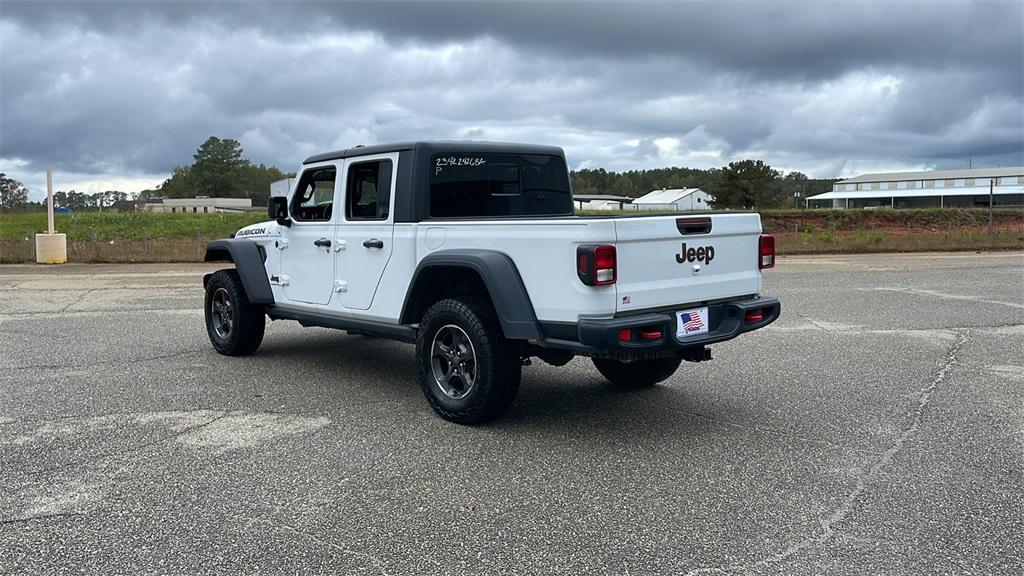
{"points": [[153, 237], [126, 225], [121, 237]]}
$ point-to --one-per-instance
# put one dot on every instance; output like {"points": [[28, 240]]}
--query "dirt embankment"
{"points": [[939, 220]]}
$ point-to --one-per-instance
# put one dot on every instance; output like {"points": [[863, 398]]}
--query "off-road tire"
{"points": [[497, 369], [248, 321], [639, 374]]}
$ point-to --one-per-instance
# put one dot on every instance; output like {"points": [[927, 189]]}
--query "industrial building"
{"points": [[199, 205], [937, 188]]}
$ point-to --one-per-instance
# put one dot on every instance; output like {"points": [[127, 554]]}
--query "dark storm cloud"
{"points": [[130, 88], [802, 38]]}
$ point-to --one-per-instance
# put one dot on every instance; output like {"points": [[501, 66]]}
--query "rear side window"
{"points": [[314, 196], [465, 185], [369, 191]]}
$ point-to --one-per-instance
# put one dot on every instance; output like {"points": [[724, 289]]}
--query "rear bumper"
{"points": [[726, 320]]}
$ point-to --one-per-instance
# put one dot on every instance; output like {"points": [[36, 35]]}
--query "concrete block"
{"points": [[51, 249]]}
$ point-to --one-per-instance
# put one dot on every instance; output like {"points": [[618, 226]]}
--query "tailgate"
{"points": [[664, 261]]}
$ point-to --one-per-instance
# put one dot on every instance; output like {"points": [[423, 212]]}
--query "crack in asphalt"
{"points": [[813, 322], [829, 526], [78, 299], [108, 362], [377, 563]]}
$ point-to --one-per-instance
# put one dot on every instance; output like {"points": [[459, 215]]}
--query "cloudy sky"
{"points": [[113, 95]]}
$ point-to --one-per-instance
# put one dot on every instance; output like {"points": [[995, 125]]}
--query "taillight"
{"points": [[595, 265], [650, 334], [766, 251]]}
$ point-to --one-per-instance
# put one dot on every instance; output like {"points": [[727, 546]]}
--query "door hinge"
{"points": [[281, 244], [339, 245], [340, 286], [280, 280]]}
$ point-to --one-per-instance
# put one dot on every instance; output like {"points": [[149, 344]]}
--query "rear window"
{"points": [[469, 184]]}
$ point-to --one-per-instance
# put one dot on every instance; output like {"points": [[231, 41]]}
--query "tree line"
{"points": [[745, 184], [221, 170], [14, 196]]}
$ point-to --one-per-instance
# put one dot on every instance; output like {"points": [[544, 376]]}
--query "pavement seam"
{"points": [[840, 514]]}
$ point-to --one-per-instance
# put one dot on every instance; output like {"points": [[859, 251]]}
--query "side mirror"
{"points": [[277, 209]]}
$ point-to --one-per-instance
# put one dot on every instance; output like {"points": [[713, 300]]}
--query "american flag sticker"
{"points": [[692, 322]]}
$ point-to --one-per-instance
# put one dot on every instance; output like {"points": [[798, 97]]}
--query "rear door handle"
{"points": [[323, 243], [373, 243]]}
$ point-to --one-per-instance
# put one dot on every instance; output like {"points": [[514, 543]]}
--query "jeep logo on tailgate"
{"points": [[703, 254]]}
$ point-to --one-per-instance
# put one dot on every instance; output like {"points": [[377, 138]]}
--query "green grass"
{"points": [[126, 225], [161, 237]]}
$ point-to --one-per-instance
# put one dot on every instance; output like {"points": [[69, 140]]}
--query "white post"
{"points": [[49, 201], [51, 248]]}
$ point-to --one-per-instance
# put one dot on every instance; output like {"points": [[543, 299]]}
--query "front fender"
{"points": [[248, 261]]}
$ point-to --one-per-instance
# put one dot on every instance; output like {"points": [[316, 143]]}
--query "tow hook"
{"points": [[696, 354]]}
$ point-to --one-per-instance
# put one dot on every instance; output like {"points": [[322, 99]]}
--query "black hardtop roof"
{"points": [[430, 147]]}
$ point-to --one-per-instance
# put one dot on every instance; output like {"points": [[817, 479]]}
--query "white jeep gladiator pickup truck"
{"points": [[472, 251]]}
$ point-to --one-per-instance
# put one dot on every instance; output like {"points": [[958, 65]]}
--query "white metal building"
{"points": [[198, 205], [673, 199], [937, 188]]}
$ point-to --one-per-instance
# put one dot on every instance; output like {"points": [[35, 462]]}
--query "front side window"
{"points": [[369, 191], [466, 185], [314, 196]]}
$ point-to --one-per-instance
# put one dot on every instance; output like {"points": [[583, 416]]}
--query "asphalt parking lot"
{"points": [[876, 428]]}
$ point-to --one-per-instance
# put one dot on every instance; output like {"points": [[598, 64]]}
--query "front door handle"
{"points": [[323, 243], [373, 243]]}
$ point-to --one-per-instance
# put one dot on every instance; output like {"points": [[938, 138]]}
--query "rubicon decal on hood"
{"points": [[703, 254]]}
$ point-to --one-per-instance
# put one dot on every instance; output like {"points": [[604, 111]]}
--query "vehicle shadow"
{"points": [[550, 399]]}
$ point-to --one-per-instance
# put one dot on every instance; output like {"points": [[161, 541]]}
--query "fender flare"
{"points": [[248, 261], [501, 279]]}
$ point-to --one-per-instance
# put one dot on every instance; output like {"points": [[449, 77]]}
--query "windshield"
{"points": [[472, 184]]}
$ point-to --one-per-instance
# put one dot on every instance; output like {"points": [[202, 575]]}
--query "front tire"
{"points": [[235, 325], [639, 374], [468, 371]]}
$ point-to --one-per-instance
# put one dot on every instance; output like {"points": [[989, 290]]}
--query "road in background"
{"points": [[875, 428]]}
